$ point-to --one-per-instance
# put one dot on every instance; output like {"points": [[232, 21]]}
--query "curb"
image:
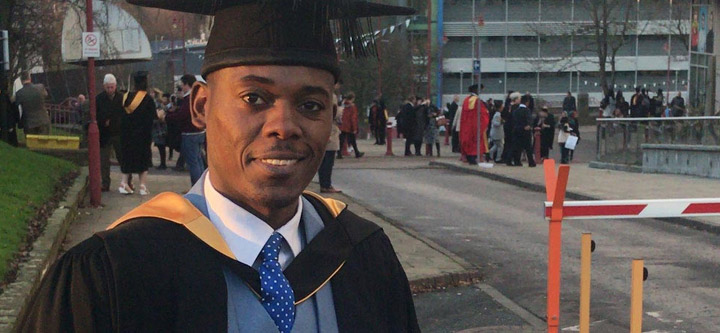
{"points": [[680, 221], [45, 250]]}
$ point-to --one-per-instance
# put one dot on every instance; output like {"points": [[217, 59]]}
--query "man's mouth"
{"points": [[279, 162]]}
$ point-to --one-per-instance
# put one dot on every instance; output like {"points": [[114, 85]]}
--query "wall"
{"points": [[703, 161]]}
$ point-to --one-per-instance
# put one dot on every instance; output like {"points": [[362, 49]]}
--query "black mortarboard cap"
{"points": [[282, 32]]}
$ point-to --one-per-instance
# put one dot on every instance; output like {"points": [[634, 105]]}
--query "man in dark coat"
{"points": [[452, 110], [546, 125], [421, 120], [407, 124], [569, 104], [522, 131], [378, 120], [109, 117], [9, 116], [246, 250], [31, 99]]}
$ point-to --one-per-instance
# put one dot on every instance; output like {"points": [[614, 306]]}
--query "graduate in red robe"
{"points": [[472, 106]]}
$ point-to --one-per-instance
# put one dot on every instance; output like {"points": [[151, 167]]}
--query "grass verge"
{"points": [[28, 182]]}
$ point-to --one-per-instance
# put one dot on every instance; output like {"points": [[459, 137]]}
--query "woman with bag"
{"points": [[563, 135]]}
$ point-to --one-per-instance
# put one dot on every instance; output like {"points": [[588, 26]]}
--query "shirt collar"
{"points": [[245, 233], [187, 93]]}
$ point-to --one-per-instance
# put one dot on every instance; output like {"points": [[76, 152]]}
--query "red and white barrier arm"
{"points": [[626, 209]]}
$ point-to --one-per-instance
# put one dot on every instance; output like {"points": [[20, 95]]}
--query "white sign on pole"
{"points": [[91, 44]]}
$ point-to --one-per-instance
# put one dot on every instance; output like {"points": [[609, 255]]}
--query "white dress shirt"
{"points": [[245, 233]]}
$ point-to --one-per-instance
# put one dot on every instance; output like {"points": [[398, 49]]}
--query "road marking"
{"points": [[512, 306], [657, 316], [576, 328]]}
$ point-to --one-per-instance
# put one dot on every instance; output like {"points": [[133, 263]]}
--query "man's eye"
{"points": [[311, 106], [254, 99]]}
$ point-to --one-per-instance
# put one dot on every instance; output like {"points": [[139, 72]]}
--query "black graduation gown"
{"points": [[136, 136], [151, 275]]}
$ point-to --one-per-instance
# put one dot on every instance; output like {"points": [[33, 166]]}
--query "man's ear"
{"points": [[198, 101]]}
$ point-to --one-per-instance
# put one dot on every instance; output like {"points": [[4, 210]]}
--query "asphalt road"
{"points": [[500, 228]]}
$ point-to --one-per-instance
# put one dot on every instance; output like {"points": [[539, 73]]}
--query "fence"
{"points": [[65, 121], [620, 140]]}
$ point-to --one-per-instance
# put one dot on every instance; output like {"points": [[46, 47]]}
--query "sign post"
{"points": [[91, 45]]}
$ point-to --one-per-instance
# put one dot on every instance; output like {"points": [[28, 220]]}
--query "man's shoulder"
{"points": [[145, 232]]}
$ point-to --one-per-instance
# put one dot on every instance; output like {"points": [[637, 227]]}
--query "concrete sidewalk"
{"points": [[587, 183]]}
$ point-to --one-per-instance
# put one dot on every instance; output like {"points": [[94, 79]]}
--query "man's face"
{"points": [[267, 128], [110, 88]]}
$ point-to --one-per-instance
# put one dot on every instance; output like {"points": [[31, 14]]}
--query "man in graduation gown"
{"points": [[472, 108], [245, 250]]}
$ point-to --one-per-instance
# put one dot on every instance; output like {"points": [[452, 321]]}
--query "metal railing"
{"points": [[65, 121], [620, 140]]}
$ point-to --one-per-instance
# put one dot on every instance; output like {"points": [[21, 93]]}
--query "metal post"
{"points": [[428, 51], [379, 53], [4, 85], [636, 297], [585, 264], [555, 186], [93, 131], [667, 101], [480, 101], [637, 41], [388, 138], [440, 44], [182, 20]]}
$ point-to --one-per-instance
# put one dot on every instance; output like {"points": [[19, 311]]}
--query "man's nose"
{"points": [[281, 121]]}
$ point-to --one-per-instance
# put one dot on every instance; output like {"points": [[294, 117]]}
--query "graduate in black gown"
{"points": [[136, 136], [185, 263]]}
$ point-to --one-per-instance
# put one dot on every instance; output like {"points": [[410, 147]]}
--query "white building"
{"points": [[528, 45]]}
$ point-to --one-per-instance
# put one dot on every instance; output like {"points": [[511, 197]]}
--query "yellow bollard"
{"points": [[636, 298], [585, 262]]}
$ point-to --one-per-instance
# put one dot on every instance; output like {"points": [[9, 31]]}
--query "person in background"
{"points": [[9, 116], [378, 120], [546, 126], [192, 137], [31, 99], [569, 103], [564, 132], [522, 131], [349, 127], [506, 114], [406, 124], [636, 103], [608, 104], [497, 134], [452, 111], [657, 103], [136, 136], [109, 117], [621, 104], [159, 136], [678, 105], [475, 119], [333, 145], [575, 125], [431, 133]]}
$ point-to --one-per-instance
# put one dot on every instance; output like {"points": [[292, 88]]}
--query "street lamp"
{"points": [[637, 41]]}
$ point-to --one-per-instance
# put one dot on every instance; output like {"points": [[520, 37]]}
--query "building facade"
{"points": [[548, 47]]}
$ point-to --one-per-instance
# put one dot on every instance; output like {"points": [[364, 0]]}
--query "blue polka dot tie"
{"points": [[277, 295]]}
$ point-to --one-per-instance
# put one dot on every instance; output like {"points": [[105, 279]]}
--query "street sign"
{"points": [[476, 66], [91, 44]]}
